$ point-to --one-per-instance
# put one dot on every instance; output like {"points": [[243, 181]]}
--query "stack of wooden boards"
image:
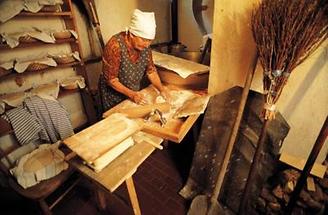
{"points": [[102, 142]]}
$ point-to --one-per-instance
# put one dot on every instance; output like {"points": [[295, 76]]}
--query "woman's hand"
{"points": [[166, 94], [138, 98]]}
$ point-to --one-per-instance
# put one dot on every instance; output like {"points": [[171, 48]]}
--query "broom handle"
{"points": [[253, 169], [234, 131], [320, 141]]}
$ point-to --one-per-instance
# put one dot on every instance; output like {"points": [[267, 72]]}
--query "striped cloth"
{"points": [[26, 126], [52, 115], [40, 120]]}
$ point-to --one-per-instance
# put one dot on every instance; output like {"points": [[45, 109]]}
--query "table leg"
{"points": [[133, 195], [165, 143], [101, 199]]}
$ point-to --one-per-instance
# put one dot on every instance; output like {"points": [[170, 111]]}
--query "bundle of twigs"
{"points": [[286, 32]]}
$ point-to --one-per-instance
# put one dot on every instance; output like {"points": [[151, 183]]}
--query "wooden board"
{"points": [[123, 167], [99, 138], [110, 155], [317, 169], [194, 81], [310, 184], [174, 130], [178, 65]]}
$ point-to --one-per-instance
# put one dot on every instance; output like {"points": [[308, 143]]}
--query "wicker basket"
{"points": [[50, 8], [62, 35], [36, 67], [27, 39], [64, 59]]}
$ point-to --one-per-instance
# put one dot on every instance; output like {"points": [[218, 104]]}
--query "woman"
{"points": [[127, 59]]}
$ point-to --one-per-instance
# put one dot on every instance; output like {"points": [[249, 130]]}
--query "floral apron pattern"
{"points": [[130, 75]]}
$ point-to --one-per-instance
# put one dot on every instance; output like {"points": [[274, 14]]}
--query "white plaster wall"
{"points": [[208, 15], [114, 16], [188, 31], [304, 100]]}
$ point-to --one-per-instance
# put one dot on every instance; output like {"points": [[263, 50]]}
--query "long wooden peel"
{"points": [[199, 205], [232, 138]]}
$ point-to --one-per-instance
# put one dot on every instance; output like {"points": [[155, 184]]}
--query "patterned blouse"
{"points": [[112, 58]]}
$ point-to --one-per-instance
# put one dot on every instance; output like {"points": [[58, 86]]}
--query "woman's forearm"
{"points": [[156, 81], [118, 86]]}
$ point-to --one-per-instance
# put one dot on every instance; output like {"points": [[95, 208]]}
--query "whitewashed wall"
{"points": [[114, 16]]}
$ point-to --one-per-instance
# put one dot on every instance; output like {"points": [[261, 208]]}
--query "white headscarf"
{"points": [[143, 24]]}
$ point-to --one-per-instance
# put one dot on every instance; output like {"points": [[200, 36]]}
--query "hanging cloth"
{"points": [[52, 116], [26, 127]]}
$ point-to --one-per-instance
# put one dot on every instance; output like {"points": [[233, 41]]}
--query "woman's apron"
{"points": [[130, 75]]}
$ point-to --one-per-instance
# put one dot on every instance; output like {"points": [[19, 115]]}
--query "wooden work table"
{"points": [[117, 172], [125, 165], [122, 168]]}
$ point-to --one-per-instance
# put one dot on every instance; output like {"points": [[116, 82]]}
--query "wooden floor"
{"points": [[158, 181]]}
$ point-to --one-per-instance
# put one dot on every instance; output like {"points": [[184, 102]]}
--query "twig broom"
{"points": [[286, 32]]}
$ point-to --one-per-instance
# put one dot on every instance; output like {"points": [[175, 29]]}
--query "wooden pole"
{"points": [[234, 133], [174, 22], [96, 23], [93, 16], [207, 47], [308, 166], [253, 170]]}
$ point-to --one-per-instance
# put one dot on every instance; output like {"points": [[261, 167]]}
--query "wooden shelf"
{"points": [[29, 14], [38, 43], [64, 92], [74, 64], [5, 73], [68, 17]]}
